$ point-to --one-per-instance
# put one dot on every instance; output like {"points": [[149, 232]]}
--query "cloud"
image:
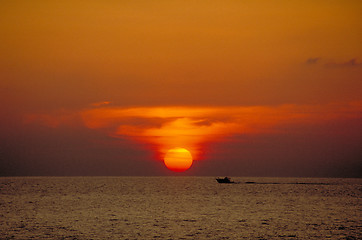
{"points": [[192, 127], [312, 60], [98, 104], [351, 63]]}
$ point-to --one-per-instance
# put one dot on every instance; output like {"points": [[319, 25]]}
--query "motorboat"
{"points": [[224, 180]]}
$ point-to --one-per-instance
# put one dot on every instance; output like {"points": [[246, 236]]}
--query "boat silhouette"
{"points": [[224, 180]]}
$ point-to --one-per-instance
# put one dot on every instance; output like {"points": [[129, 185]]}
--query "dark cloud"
{"points": [[66, 151], [351, 63], [318, 141], [310, 153], [312, 60]]}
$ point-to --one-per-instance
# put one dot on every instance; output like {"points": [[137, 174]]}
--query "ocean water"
{"points": [[179, 208]]}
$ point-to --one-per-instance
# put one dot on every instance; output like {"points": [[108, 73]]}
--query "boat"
{"points": [[224, 180]]}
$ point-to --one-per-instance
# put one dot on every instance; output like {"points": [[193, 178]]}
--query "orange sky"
{"points": [[148, 72]]}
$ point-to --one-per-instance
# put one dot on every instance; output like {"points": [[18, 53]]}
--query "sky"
{"points": [[250, 88]]}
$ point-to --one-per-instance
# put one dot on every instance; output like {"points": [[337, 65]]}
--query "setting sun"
{"points": [[178, 159]]}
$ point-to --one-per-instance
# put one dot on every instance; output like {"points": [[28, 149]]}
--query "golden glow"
{"points": [[163, 128], [178, 159], [166, 74]]}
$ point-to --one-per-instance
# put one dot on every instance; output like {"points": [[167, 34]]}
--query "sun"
{"points": [[178, 159]]}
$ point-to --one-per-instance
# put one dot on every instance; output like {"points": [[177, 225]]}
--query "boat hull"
{"points": [[224, 180]]}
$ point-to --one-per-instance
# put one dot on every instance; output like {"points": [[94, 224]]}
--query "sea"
{"points": [[179, 208]]}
